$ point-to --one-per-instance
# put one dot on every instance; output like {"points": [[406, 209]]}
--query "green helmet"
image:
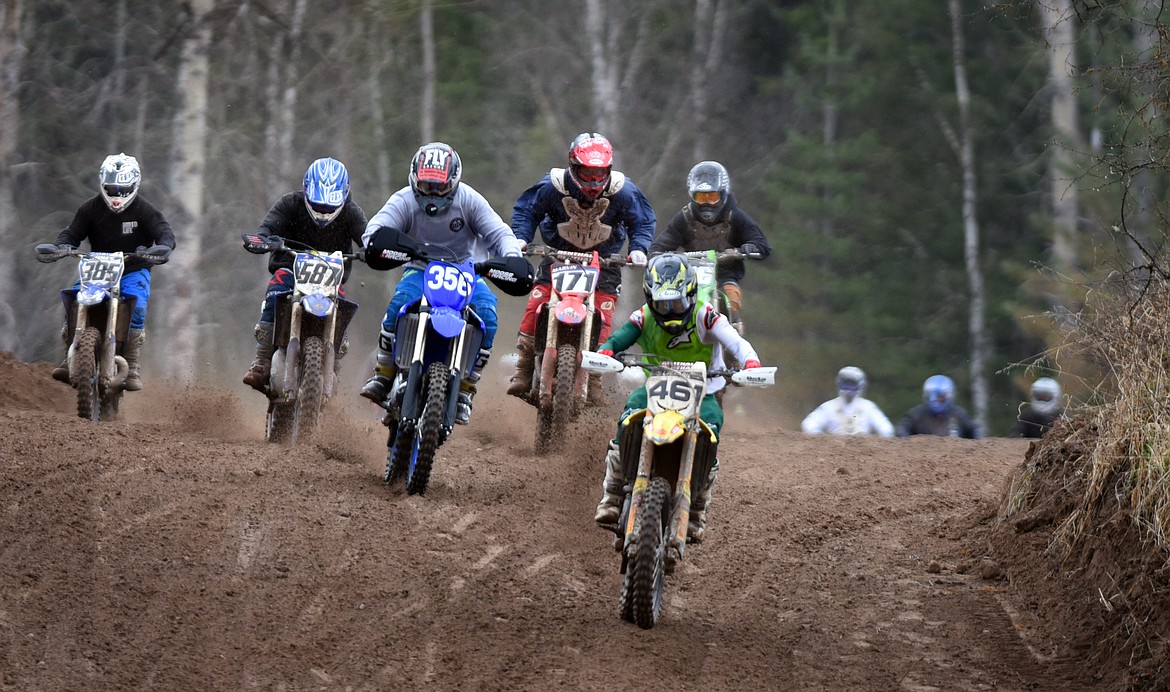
{"points": [[670, 286]]}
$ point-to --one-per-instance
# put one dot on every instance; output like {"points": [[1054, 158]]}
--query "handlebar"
{"points": [[723, 256], [576, 257], [48, 252], [260, 245]]}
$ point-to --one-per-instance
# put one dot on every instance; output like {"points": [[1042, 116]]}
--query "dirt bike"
{"points": [[98, 316], [309, 324], [437, 344], [667, 453], [706, 263], [566, 325]]}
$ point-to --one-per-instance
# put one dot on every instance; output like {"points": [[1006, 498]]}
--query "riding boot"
{"points": [[521, 381], [596, 395], [613, 494], [257, 375], [467, 388], [697, 523], [132, 352], [61, 372], [377, 387]]}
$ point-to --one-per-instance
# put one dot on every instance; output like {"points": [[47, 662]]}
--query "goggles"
{"points": [[427, 188], [674, 307], [592, 174], [118, 190], [321, 208], [1043, 396], [707, 197]]}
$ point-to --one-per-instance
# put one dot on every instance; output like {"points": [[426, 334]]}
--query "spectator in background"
{"points": [[938, 414], [850, 413], [1042, 411]]}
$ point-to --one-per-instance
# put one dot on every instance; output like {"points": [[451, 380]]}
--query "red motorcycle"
{"points": [[566, 325]]}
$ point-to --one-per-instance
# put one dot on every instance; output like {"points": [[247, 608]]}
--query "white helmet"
{"points": [[1046, 396], [119, 177], [850, 382]]}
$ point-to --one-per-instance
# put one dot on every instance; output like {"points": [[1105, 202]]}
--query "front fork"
{"points": [[681, 507], [548, 361]]}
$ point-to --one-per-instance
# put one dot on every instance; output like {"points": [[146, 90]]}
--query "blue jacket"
{"points": [[568, 222]]}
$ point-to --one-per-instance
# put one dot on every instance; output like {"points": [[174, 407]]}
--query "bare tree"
{"points": [[186, 185], [963, 141], [1059, 24], [11, 59], [710, 28], [427, 29], [282, 93]]}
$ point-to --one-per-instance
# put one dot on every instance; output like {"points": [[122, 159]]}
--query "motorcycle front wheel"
{"points": [[430, 425], [645, 584], [311, 390], [89, 401]]}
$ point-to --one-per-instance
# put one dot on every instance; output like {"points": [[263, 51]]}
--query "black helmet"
{"points": [[670, 286], [708, 185]]}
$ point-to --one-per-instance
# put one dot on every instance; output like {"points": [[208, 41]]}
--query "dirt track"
{"points": [[187, 554]]}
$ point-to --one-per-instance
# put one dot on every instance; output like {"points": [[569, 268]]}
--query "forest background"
{"points": [[938, 180]]}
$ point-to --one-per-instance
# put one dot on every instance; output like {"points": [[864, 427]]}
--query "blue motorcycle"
{"points": [[437, 340]]}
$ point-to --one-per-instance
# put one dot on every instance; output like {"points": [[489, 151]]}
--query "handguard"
{"points": [[390, 248], [511, 274], [591, 361], [756, 377]]}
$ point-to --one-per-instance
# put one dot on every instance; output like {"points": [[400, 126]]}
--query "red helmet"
{"points": [[590, 162]]}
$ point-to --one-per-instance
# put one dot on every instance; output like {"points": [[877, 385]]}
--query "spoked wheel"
{"points": [[645, 582], [401, 448], [85, 379], [281, 422], [311, 392], [554, 417], [430, 427]]}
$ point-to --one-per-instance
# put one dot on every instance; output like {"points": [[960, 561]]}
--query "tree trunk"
{"points": [[710, 28], [605, 84], [188, 165], [975, 322], [1059, 24], [11, 58], [427, 28]]}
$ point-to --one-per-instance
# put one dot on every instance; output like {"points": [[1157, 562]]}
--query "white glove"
{"points": [[637, 258]]}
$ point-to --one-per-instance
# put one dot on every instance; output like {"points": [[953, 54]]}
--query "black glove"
{"points": [[751, 250], [275, 243], [65, 247], [158, 254]]}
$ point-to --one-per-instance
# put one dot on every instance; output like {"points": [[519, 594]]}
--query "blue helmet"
{"points": [[939, 393], [326, 190]]}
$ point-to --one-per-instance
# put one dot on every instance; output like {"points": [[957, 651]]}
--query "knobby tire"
{"points": [[85, 361], [311, 392], [646, 578], [430, 426]]}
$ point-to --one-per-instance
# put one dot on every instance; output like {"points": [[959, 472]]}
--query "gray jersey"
{"points": [[469, 227]]}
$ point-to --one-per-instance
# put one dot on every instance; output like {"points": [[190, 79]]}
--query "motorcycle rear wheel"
{"points": [[280, 423], [430, 426], [645, 584], [89, 400]]}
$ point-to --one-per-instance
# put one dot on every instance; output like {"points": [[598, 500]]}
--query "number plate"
{"points": [[568, 278], [318, 273], [101, 269]]}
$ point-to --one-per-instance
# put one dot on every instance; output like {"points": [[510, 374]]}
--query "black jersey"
{"points": [[289, 218], [138, 225]]}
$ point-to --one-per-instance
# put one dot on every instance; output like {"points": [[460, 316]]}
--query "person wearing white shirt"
{"points": [[850, 413]]}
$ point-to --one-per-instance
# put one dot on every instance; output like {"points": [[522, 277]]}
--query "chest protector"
{"points": [[584, 229], [704, 237], [684, 346]]}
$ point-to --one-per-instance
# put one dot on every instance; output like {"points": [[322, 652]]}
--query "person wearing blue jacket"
{"points": [[585, 207]]}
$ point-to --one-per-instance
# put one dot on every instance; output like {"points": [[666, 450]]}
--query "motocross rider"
{"points": [[674, 325], [321, 216], [712, 220], [938, 414], [119, 220], [437, 208], [1043, 409], [850, 413], [587, 206]]}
